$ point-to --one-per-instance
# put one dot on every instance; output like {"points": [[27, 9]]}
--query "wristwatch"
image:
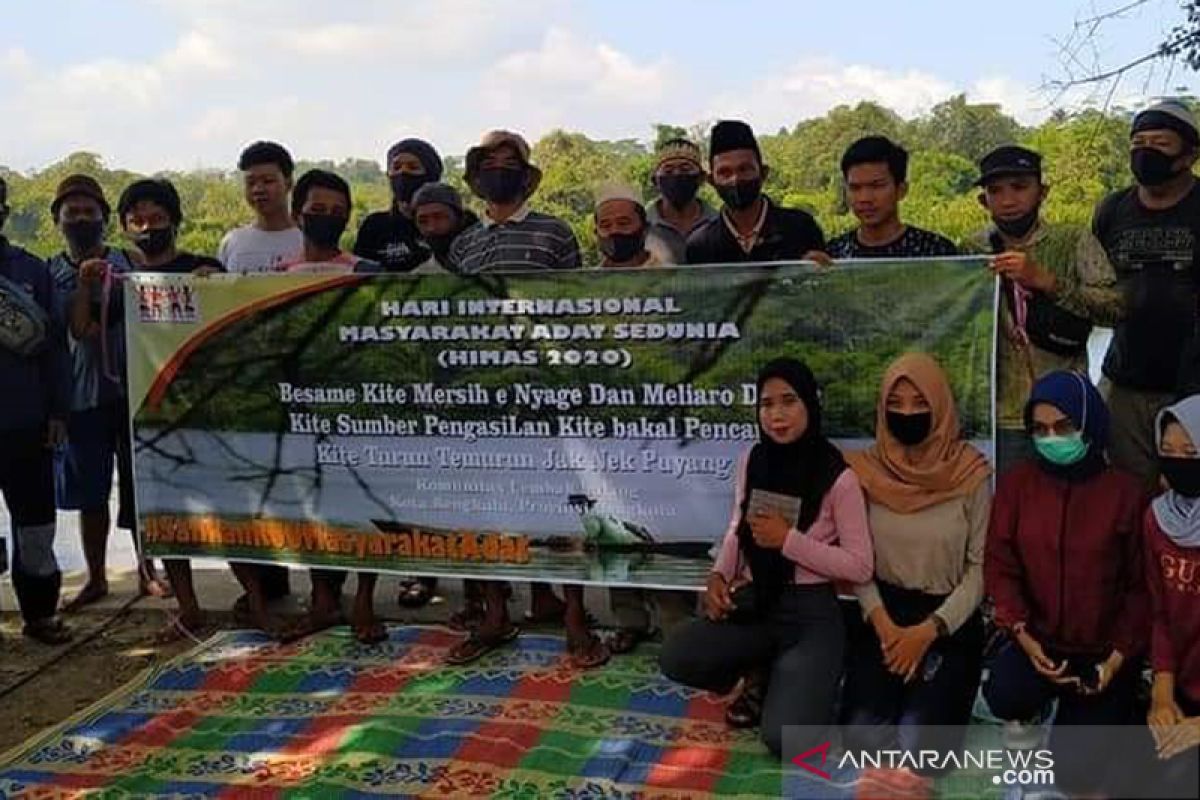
{"points": [[940, 625]]}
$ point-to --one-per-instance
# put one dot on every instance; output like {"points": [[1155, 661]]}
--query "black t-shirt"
{"points": [[913, 243], [184, 263], [786, 235], [1152, 253], [391, 240]]}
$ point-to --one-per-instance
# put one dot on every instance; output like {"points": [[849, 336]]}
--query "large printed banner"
{"points": [[581, 427]]}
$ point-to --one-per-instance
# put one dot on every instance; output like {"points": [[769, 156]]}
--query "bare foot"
{"points": [[92, 591], [545, 607], [367, 628], [153, 587]]}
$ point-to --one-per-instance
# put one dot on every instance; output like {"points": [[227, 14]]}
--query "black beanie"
{"points": [[1170, 117], [424, 152], [156, 190], [732, 134]]}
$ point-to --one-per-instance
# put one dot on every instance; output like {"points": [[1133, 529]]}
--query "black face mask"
{"points": [[741, 194], [1152, 167], [323, 230], [622, 247], [910, 429], [405, 185], [440, 245], [83, 235], [1020, 227], [155, 241], [1183, 474], [500, 185], [679, 190]]}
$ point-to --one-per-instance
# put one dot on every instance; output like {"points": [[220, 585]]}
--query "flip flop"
{"points": [[374, 634], [746, 710], [175, 630], [87, 595], [626, 640], [478, 645], [50, 632], [593, 654], [466, 619], [414, 594]]}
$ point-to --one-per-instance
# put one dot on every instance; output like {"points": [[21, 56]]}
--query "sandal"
{"points": [[477, 645], [467, 619], [177, 630], [626, 640], [415, 593], [90, 593], [49, 631], [594, 653], [746, 710]]}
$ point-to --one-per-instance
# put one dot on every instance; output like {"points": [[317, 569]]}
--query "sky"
{"points": [[180, 84]]}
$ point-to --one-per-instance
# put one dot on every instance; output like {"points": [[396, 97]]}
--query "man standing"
{"points": [[511, 236], [875, 171], [151, 215], [35, 374], [621, 227], [750, 228], [1056, 282], [1149, 231], [98, 426], [678, 211], [273, 237], [389, 238]]}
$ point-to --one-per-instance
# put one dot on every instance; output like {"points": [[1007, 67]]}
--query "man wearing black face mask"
{"points": [[440, 217], [1149, 231], [389, 238], [678, 211], [98, 427], [750, 227], [321, 208], [151, 215], [1056, 283], [511, 236], [621, 229]]}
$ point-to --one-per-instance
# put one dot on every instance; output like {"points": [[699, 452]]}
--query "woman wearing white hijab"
{"points": [[1173, 574]]}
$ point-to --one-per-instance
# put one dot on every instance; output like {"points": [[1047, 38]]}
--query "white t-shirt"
{"points": [[248, 249]]}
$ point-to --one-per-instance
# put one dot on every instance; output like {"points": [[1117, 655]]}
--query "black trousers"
{"points": [[1084, 758], [800, 643], [932, 711], [27, 485]]}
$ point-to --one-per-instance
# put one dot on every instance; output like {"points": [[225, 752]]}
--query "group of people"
{"points": [[1087, 576]]}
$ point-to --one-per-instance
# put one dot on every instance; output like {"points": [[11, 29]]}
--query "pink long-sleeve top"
{"points": [[836, 547]]}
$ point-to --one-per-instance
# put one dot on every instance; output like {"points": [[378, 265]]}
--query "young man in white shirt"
{"points": [[273, 238]]}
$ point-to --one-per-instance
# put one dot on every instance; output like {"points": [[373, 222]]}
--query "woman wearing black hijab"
{"points": [[771, 608]]}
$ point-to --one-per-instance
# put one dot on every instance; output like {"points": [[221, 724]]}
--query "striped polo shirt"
{"points": [[528, 240]]}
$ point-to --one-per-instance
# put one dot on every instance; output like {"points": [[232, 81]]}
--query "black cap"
{"points": [[1007, 161], [732, 134]]}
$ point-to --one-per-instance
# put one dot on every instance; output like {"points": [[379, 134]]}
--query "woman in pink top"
{"points": [[799, 523]]}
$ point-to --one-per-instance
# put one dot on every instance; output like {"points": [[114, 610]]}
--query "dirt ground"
{"points": [[41, 686], [115, 641]]}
